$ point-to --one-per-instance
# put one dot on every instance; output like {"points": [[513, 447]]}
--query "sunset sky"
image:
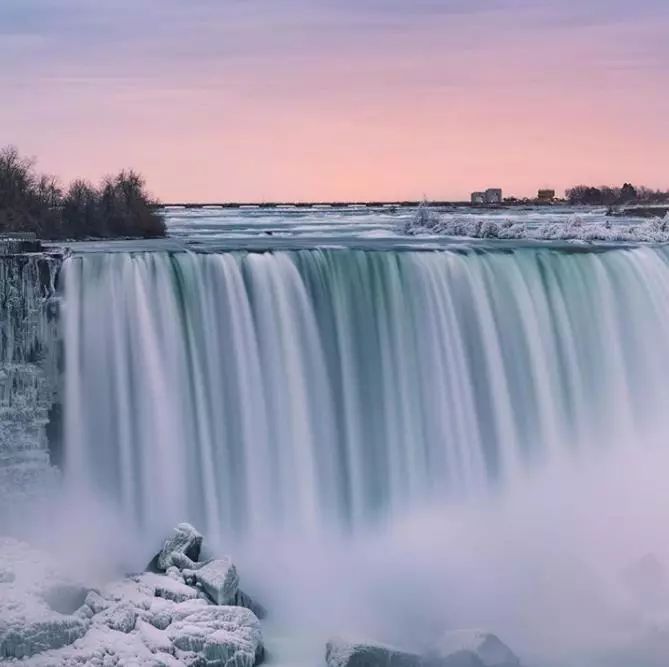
{"points": [[339, 99]]}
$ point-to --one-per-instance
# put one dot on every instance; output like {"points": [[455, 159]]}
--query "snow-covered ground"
{"points": [[576, 227], [49, 619]]}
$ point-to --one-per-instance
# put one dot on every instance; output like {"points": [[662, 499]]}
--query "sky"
{"points": [[261, 100]]}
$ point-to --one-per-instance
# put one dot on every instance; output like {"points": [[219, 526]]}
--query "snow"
{"points": [[428, 221], [182, 548], [461, 648], [230, 635], [347, 653], [167, 587], [147, 620], [219, 580], [28, 624], [121, 617]]}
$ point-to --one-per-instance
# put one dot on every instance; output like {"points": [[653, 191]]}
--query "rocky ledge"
{"points": [[462, 648], [185, 613]]}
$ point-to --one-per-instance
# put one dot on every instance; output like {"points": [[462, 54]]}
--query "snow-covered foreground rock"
{"points": [[146, 620], [33, 613]]}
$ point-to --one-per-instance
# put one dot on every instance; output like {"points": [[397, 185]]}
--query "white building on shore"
{"points": [[490, 196]]}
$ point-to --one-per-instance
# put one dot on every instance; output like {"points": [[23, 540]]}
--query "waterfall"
{"points": [[312, 390]]}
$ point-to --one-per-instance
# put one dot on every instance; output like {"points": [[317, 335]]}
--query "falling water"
{"points": [[319, 389]]}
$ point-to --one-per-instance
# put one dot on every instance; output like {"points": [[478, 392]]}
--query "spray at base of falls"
{"points": [[392, 438]]}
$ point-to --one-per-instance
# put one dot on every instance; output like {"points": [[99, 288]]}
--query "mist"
{"points": [[563, 566]]}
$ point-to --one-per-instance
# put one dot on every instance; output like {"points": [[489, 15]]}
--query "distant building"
{"points": [[493, 196], [546, 195], [490, 196]]}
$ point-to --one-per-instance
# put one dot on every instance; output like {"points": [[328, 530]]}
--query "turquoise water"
{"points": [[316, 389], [393, 436]]}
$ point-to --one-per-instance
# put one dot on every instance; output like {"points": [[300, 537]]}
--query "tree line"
{"points": [[32, 202], [612, 196]]}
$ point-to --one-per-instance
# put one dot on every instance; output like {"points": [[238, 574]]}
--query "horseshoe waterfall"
{"points": [[319, 391], [408, 444]]}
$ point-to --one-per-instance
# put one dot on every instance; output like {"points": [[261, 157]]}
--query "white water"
{"points": [[434, 406]]}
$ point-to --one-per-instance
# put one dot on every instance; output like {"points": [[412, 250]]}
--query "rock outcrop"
{"points": [[145, 620], [28, 622], [341, 653], [464, 648], [28, 370], [488, 648], [219, 580], [181, 549]]}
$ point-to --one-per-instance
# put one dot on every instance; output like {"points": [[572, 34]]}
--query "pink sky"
{"points": [[317, 99]]}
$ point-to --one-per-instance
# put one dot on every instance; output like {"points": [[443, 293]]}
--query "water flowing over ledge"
{"points": [[315, 389]]}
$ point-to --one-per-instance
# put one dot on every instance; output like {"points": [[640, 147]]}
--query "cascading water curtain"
{"points": [[315, 389]]}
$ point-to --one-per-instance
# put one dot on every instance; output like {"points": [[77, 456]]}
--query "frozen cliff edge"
{"points": [[28, 365], [148, 619]]}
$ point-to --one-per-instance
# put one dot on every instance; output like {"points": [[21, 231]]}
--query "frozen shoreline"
{"points": [[428, 221]]}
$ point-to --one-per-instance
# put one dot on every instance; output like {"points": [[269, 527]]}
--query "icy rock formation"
{"points": [[30, 585], [146, 620], [340, 653], [181, 549], [428, 221], [241, 599], [219, 580], [463, 648], [169, 587], [28, 373], [228, 636], [490, 650], [120, 617]]}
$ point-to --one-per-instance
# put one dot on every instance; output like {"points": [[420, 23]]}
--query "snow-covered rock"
{"points": [[159, 613], [96, 602], [135, 590], [23, 637], [342, 653], [428, 221], [225, 636], [219, 580], [28, 622], [181, 549], [242, 599], [146, 620], [168, 587], [490, 650], [120, 617], [154, 638], [467, 652]]}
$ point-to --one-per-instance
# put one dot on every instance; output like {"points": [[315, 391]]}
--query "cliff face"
{"points": [[28, 364]]}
